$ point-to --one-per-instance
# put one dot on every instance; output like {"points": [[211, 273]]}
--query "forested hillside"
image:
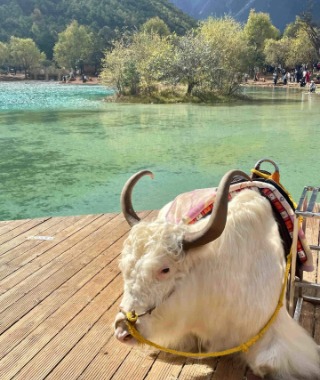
{"points": [[42, 20], [281, 12]]}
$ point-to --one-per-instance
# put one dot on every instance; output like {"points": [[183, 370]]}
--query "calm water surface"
{"points": [[63, 151]]}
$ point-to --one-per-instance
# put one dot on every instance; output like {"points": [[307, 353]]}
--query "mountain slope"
{"points": [[42, 20], [281, 12]]}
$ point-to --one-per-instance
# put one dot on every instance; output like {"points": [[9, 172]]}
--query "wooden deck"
{"points": [[60, 288]]}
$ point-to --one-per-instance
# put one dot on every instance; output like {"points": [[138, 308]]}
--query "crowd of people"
{"points": [[301, 76]]}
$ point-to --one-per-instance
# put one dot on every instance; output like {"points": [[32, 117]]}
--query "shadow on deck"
{"points": [[60, 288]]}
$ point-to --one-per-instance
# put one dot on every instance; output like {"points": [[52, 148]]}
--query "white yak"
{"points": [[213, 286]]}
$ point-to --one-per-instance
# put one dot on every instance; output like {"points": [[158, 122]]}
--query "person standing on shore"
{"points": [[275, 77], [313, 87], [307, 76]]}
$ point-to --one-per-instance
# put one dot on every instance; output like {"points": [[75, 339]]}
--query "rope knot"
{"points": [[245, 347], [131, 316]]}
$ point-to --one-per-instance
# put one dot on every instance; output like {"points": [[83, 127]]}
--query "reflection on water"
{"points": [[71, 153]]}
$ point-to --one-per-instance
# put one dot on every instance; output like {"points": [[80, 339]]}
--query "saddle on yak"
{"points": [[192, 206]]}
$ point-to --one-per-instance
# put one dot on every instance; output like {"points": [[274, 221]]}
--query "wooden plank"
{"points": [[39, 286], [16, 261], [12, 233], [143, 366], [62, 271], [18, 241], [106, 362], [50, 229], [22, 267], [9, 225], [52, 260], [52, 354], [230, 367], [96, 271], [54, 327], [78, 290], [81, 355], [203, 369], [30, 249]]}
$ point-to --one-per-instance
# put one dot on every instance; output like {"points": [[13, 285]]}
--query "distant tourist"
{"points": [[275, 77], [285, 78], [307, 76], [313, 86], [303, 82], [289, 79]]}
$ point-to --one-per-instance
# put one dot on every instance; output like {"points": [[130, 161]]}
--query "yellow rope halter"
{"points": [[131, 319]]}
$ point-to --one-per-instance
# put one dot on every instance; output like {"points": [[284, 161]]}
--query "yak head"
{"points": [[156, 258]]}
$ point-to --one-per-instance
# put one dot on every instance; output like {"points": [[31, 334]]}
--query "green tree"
{"points": [[292, 28], [277, 52], [75, 46], [153, 55], [312, 30], [302, 51], [137, 65], [256, 31], [156, 26], [119, 69], [25, 53], [190, 61], [4, 54], [225, 38]]}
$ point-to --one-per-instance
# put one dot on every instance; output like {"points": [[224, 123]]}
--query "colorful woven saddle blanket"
{"points": [[192, 206]]}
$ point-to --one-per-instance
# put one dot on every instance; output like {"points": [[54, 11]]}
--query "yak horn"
{"points": [[125, 199], [218, 218]]}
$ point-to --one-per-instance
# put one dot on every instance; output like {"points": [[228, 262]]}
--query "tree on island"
{"points": [[228, 49], [206, 60], [137, 64]]}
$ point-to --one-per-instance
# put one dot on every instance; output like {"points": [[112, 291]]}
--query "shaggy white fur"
{"points": [[220, 294]]}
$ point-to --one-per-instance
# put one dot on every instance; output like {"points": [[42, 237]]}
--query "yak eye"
{"points": [[162, 273]]}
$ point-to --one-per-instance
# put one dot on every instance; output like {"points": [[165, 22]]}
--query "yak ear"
{"points": [[218, 217], [126, 199]]}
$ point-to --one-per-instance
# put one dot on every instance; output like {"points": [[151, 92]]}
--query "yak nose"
{"points": [[121, 331]]}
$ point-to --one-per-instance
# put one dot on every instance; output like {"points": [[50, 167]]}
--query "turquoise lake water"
{"points": [[64, 151]]}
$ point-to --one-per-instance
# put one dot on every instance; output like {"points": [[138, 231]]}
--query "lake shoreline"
{"points": [[21, 78], [265, 82]]}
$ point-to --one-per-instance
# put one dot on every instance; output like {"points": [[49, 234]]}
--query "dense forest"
{"points": [[43, 20]]}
